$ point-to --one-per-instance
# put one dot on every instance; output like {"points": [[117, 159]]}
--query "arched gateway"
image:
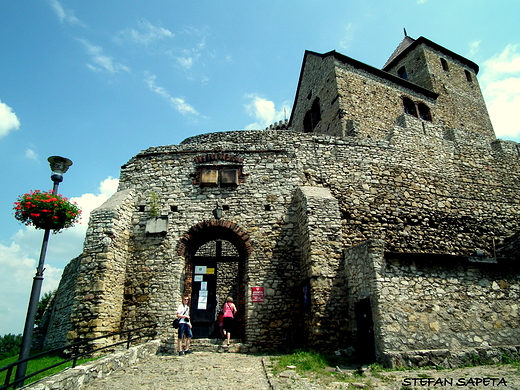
{"points": [[216, 252]]}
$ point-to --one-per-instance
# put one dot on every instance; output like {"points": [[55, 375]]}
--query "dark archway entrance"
{"points": [[216, 253]]}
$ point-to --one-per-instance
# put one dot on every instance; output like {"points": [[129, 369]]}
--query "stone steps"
{"points": [[216, 345]]}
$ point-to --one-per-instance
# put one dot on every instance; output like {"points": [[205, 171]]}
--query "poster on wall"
{"points": [[202, 304], [257, 294]]}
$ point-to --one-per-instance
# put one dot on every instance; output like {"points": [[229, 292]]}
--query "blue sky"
{"points": [[98, 81]]}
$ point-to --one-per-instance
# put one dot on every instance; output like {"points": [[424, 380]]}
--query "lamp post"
{"points": [[59, 165]]}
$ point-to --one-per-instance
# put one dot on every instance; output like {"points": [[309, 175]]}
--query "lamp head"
{"points": [[217, 212], [59, 165]]}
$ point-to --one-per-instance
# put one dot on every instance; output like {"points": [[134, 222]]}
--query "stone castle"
{"points": [[381, 220]]}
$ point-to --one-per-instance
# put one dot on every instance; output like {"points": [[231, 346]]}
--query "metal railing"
{"points": [[73, 352]]}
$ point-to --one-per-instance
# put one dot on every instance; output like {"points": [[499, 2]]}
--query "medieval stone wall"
{"points": [[359, 275], [363, 94], [60, 314], [260, 206], [319, 81], [435, 303], [432, 302], [98, 294], [319, 230], [417, 190]]}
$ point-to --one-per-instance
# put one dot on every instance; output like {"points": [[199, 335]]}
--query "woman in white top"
{"points": [[183, 313]]}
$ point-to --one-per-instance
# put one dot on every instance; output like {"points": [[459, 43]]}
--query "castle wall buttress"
{"points": [[98, 296], [320, 239]]}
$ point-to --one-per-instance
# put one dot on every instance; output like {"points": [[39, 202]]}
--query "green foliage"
{"points": [[42, 305], [316, 367], [303, 360], [10, 346], [154, 205], [38, 364]]}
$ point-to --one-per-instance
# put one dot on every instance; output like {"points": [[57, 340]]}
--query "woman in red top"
{"points": [[229, 317]]}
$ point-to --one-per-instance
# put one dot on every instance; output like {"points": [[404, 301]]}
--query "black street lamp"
{"points": [[217, 212], [59, 166]]}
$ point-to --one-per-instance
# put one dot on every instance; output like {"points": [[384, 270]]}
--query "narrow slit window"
{"points": [[468, 75], [444, 64], [402, 73], [312, 117]]}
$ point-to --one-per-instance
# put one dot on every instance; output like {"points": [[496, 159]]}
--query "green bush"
{"points": [[10, 346]]}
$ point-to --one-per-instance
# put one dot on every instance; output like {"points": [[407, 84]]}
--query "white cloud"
{"points": [[19, 259], [264, 112], [348, 37], [8, 120], [18, 270], [473, 48], [101, 61], [177, 103], [31, 154], [146, 34], [500, 79], [65, 15], [192, 55], [185, 62]]}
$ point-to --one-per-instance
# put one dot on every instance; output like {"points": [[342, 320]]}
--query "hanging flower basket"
{"points": [[46, 210]]}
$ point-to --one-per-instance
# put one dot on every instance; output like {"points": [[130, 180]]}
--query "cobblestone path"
{"points": [[199, 370]]}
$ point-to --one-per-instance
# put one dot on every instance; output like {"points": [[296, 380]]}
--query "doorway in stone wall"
{"points": [[216, 252], [217, 274], [365, 331]]}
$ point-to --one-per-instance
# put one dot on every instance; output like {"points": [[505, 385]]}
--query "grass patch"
{"points": [[39, 364], [316, 367], [304, 361]]}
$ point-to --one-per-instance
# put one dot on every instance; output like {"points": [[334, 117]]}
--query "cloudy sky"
{"points": [[98, 81]]}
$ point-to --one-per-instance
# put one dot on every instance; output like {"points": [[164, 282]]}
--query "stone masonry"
{"points": [[382, 221]]}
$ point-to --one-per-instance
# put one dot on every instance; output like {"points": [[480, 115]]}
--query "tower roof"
{"points": [[405, 43]]}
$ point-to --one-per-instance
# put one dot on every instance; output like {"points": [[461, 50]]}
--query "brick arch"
{"points": [[214, 229]]}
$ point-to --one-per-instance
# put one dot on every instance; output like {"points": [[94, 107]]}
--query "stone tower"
{"points": [[460, 104], [340, 96]]}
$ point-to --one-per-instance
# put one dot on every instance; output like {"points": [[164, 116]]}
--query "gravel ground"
{"points": [[231, 371], [505, 377]]}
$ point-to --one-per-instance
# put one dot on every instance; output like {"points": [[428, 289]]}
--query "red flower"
{"points": [[46, 210]]}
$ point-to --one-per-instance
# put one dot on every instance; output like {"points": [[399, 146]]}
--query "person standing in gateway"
{"points": [[183, 313], [229, 318]]}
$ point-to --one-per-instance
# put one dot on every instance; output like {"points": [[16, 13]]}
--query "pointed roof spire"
{"points": [[407, 41]]}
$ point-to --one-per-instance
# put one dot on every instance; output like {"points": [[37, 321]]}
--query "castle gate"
{"points": [[216, 253]]}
